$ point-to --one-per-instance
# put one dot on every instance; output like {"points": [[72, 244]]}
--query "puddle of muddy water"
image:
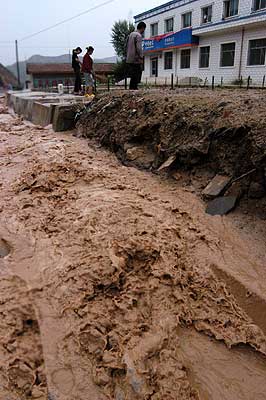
{"points": [[4, 248]]}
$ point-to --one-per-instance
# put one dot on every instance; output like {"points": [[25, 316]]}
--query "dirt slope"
{"points": [[222, 131], [224, 128], [115, 270]]}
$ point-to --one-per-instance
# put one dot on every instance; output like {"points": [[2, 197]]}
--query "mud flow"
{"points": [[4, 248], [115, 284]]}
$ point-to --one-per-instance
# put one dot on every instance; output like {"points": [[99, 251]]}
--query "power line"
{"points": [[68, 19]]}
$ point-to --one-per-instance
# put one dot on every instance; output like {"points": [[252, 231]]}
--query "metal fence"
{"points": [[173, 83]]}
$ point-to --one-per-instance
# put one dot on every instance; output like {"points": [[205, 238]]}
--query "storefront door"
{"points": [[154, 67]]}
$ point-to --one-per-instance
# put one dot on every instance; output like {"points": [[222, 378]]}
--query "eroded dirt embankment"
{"points": [[113, 274], [208, 132]]}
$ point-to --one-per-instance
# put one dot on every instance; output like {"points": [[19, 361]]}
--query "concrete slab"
{"points": [[221, 205], [39, 108], [64, 117], [42, 114], [216, 187]]}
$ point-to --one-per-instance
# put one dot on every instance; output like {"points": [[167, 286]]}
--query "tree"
{"points": [[120, 32], [120, 71]]}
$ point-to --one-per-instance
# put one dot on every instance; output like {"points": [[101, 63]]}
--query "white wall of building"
{"points": [[213, 35]]}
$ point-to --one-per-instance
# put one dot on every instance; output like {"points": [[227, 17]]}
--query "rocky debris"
{"points": [[167, 163], [216, 187], [221, 205]]}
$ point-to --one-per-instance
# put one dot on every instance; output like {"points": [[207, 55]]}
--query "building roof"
{"points": [[41, 69], [6, 77], [157, 9]]}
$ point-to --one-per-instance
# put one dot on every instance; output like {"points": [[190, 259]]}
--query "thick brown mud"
{"points": [[111, 284]]}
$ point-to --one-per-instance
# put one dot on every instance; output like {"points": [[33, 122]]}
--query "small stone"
{"points": [[37, 394], [135, 152], [167, 163]]}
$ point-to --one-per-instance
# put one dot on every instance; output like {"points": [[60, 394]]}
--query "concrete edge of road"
{"points": [[44, 109]]}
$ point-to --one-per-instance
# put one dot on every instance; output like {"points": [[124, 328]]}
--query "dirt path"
{"points": [[114, 284]]}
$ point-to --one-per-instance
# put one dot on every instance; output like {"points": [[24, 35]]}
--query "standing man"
{"points": [[87, 69], [135, 57], [76, 65]]}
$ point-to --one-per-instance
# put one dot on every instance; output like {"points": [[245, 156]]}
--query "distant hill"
{"points": [[38, 59], [6, 77]]}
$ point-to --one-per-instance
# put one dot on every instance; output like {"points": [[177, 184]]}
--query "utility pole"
{"points": [[17, 60]]}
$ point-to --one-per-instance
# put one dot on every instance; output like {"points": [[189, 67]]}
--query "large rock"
{"points": [[141, 156], [216, 187], [221, 205]]}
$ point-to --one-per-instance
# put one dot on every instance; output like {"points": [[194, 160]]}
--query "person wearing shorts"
{"points": [[87, 69]]}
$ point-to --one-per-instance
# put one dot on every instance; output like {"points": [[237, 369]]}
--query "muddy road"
{"points": [[114, 283]]}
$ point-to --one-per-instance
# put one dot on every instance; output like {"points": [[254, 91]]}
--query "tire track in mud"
{"points": [[119, 273]]}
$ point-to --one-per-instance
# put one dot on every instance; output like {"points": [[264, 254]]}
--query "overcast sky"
{"points": [[21, 18]]}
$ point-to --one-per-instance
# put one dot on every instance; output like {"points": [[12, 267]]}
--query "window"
{"points": [[259, 5], [206, 15], [187, 20], [169, 25], [154, 29], [168, 60], [230, 8], [228, 54], [204, 61], [185, 59], [257, 52]]}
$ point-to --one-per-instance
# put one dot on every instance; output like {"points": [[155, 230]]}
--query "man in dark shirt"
{"points": [[87, 69], [76, 66], [135, 57]]}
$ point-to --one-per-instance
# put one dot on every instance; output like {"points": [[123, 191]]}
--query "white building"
{"points": [[205, 38]]}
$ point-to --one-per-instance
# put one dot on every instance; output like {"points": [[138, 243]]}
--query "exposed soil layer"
{"points": [[111, 284], [208, 132]]}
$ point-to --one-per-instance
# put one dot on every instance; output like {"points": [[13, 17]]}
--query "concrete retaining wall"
{"points": [[45, 108]]}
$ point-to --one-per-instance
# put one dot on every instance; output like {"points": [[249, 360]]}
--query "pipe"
{"points": [[17, 61], [241, 53]]}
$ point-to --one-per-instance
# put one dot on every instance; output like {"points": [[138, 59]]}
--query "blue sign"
{"points": [[182, 38]]}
